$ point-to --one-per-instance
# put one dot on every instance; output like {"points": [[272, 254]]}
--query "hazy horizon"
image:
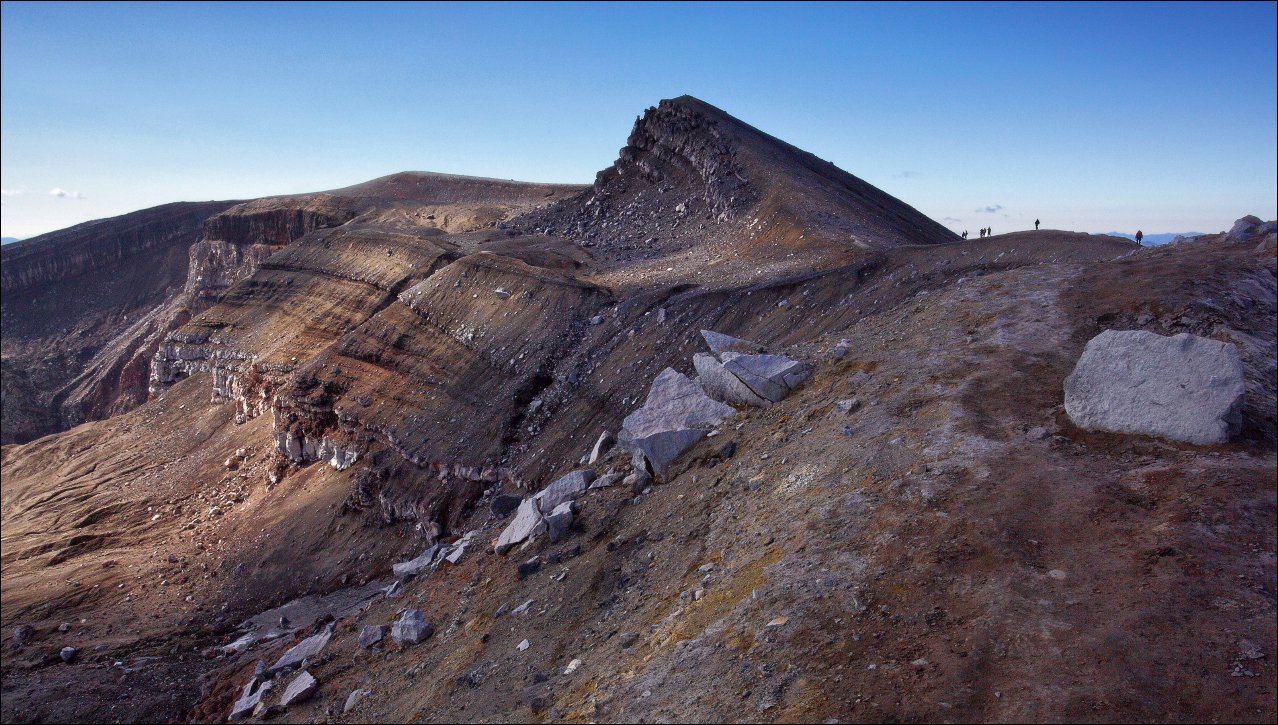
{"points": [[1088, 117]]}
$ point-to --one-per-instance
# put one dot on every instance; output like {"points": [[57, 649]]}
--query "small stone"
{"points": [[604, 444], [851, 405], [628, 639], [605, 481], [920, 663], [522, 607], [353, 699], [522, 646], [572, 667], [21, 635], [417, 566], [300, 689], [411, 628], [564, 489], [64, 627], [559, 522], [779, 622], [371, 634], [1057, 574], [1037, 433], [528, 523], [67, 654], [637, 481], [530, 567], [501, 293], [308, 647], [1249, 650], [250, 699]]}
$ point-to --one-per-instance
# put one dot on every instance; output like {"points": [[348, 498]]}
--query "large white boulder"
{"points": [[303, 650], [1184, 388], [771, 377], [528, 522], [566, 488], [723, 385], [676, 414]]}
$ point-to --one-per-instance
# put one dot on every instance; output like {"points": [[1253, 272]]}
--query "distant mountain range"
{"points": [[9, 240], [1153, 240]]}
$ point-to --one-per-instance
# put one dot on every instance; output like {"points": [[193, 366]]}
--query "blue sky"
{"points": [[1093, 117]]}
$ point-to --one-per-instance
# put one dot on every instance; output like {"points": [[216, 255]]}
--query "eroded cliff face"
{"points": [[100, 246], [84, 310]]}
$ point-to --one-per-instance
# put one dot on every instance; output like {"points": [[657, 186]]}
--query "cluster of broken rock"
{"points": [[676, 415], [1184, 388]]}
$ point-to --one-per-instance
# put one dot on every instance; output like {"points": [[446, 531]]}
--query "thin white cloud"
{"points": [[12, 192], [64, 194], [907, 175], [992, 209]]}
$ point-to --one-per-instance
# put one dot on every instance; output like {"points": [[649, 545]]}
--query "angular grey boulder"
{"points": [[602, 446], [308, 647], [1184, 388], [723, 385], [249, 699], [299, 690], [676, 414], [771, 377], [560, 521], [528, 523], [415, 567], [353, 699], [565, 489], [721, 343], [411, 628], [1244, 228], [371, 634], [606, 480]]}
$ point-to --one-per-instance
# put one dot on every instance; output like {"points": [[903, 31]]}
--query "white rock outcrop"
{"points": [[676, 414], [528, 523], [1183, 388]]}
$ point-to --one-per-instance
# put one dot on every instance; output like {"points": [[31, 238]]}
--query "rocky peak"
{"points": [[684, 141]]}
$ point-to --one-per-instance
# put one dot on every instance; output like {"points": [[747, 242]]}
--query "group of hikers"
{"points": [[988, 232]]}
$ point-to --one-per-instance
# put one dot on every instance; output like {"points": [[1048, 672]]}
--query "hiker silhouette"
{"points": [[1035, 225], [1139, 236], [965, 234]]}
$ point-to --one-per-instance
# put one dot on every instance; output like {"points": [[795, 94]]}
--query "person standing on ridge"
{"points": [[1035, 225], [1139, 236], [965, 234], [989, 231]]}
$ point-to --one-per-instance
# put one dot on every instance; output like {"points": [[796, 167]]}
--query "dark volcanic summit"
{"points": [[691, 175], [243, 439]]}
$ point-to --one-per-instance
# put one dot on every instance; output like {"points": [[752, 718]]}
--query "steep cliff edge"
{"points": [[84, 314], [80, 317]]}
